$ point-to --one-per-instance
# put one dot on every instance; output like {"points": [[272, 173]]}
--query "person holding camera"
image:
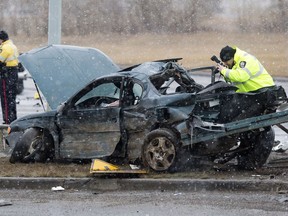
{"points": [[243, 70]]}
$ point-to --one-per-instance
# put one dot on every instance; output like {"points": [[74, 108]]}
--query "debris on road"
{"points": [[283, 199], [283, 192], [58, 188], [5, 203], [278, 160], [281, 148]]}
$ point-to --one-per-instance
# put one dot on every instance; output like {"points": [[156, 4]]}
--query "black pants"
{"points": [[8, 83]]}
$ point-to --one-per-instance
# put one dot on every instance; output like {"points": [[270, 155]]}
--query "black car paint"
{"points": [[73, 130]]}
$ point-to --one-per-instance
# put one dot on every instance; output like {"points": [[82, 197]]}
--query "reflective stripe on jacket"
{"points": [[248, 74], [9, 53]]}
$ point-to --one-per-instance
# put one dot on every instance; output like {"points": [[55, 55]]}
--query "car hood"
{"points": [[62, 70]]}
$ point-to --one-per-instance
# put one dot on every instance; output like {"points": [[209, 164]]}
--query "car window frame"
{"points": [[70, 104], [137, 82]]}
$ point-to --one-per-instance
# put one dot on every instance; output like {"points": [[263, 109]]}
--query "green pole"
{"points": [[54, 22]]}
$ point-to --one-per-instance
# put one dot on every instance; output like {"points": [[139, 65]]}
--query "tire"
{"points": [[160, 150], [256, 156], [34, 146]]}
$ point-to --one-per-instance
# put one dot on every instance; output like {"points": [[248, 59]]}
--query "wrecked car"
{"points": [[85, 126], [153, 114]]}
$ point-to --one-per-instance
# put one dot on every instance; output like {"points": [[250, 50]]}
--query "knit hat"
{"points": [[227, 53], [3, 35]]}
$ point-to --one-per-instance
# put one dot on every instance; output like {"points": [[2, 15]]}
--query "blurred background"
{"points": [[133, 31]]}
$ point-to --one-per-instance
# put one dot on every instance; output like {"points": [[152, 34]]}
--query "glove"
{"points": [[216, 70]]}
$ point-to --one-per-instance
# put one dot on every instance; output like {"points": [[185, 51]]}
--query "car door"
{"points": [[89, 127]]}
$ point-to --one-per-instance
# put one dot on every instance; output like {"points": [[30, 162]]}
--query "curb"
{"points": [[113, 184]]}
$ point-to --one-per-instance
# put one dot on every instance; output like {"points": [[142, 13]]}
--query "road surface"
{"points": [[146, 203]]}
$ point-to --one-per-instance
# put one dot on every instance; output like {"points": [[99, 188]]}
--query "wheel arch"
{"points": [[29, 137], [43, 130], [52, 138], [167, 127]]}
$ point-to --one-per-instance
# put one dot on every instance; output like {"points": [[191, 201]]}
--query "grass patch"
{"points": [[195, 49], [43, 169]]}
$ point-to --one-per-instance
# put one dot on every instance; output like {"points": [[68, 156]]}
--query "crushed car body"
{"points": [[153, 114]]}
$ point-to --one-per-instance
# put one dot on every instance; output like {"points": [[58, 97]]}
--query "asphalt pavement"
{"points": [[145, 202]]}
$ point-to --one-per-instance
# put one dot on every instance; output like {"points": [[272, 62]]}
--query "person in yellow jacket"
{"points": [[244, 70], [8, 77], [248, 75]]}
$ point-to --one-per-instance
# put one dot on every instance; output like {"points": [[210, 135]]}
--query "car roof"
{"points": [[151, 67], [62, 70]]}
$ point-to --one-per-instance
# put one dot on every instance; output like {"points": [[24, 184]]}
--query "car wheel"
{"points": [[160, 149], [256, 156], [34, 146]]}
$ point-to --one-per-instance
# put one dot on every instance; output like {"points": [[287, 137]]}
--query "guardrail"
{"points": [[237, 127]]}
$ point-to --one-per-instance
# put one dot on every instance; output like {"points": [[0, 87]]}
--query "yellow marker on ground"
{"points": [[103, 167], [99, 165]]}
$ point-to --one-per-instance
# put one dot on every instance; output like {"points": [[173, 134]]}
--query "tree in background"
{"points": [[135, 16], [26, 17], [276, 17], [270, 16], [85, 17]]}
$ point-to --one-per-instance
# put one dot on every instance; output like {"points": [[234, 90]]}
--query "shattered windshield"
{"points": [[173, 78]]}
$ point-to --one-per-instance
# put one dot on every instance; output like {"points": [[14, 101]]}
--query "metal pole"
{"points": [[54, 22]]}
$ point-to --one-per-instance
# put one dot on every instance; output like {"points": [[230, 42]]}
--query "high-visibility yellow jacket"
{"points": [[248, 74], [9, 54]]}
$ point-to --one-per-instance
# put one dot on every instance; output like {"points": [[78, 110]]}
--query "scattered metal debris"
{"points": [[5, 203], [283, 192], [283, 199], [281, 148], [58, 188]]}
